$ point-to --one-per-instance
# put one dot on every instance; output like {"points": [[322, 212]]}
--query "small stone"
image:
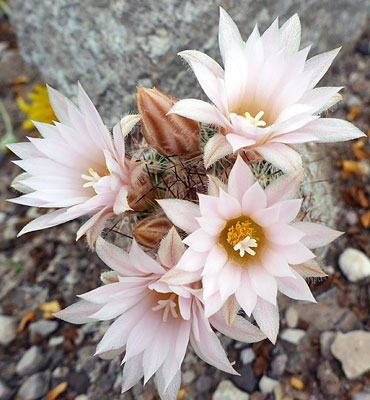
{"points": [[42, 328], [361, 396], [35, 386], [354, 264], [56, 341], [31, 362], [329, 382], [326, 340], [292, 317], [278, 365], [267, 385], [352, 350], [247, 380], [79, 382], [351, 218], [296, 383], [247, 355], [188, 377], [204, 383], [5, 392], [82, 397], [7, 329], [227, 391], [292, 335]]}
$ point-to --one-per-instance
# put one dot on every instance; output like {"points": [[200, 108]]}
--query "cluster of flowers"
{"points": [[206, 251]]}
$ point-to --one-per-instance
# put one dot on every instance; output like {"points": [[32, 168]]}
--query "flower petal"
{"points": [[228, 206], [284, 187], [290, 34], [283, 234], [238, 142], [171, 249], [254, 199], [200, 241], [263, 283], [281, 156], [182, 213], [216, 148], [240, 179], [267, 318], [216, 259], [78, 313], [295, 288], [246, 295]]}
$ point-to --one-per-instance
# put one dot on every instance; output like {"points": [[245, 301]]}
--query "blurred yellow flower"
{"points": [[39, 109]]}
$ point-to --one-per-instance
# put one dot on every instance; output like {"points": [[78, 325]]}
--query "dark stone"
{"points": [[247, 380], [79, 382]]}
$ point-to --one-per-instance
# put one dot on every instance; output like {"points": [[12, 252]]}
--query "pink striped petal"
{"points": [[238, 142], [290, 34], [296, 253], [141, 261], [192, 260], [132, 372], [171, 249]]}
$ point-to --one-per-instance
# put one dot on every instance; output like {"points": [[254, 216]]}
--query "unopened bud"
{"points": [[151, 230], [169, 134]]}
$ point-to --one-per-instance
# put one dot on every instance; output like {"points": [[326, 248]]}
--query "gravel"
{"points": [[7, 329], [35, 386], [354, 264]]}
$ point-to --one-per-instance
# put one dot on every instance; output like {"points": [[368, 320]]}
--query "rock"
{"points": [[56, 341], [82, 397], [227, 391], [352, 350], [35, 386], [267, 385], [329, 382], [247, 355], [79, 382], [5, 391], [292, 317], [326, 340], [113, 46], [204, 383], [354, 264], [42, 328], [247, 380], [278, 365], [8, 329], [292, 335], [31, 362], [188, 377], [361, 396]]}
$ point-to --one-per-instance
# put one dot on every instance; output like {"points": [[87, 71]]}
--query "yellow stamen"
{"points": [[256, 121], [240, 231]]}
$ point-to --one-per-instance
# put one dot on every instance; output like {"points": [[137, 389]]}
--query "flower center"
{"points": [[93, 178], [256, 121], [239, 237], [168, 306]]}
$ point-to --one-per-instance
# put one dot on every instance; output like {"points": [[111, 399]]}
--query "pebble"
{"points": [[7, 329], [79, 382], [361, 396], [247, 355], [227, 391], [292, 335], [354, 264], [352, 350], [35, 386], [292, 317], [247, 380], [329, 382], [31, 362], [5, 392], [278, 365], [82, 397], [326, 340], [267, 385], [43, 328], [188, 377], [204, 383], [55, 341]]}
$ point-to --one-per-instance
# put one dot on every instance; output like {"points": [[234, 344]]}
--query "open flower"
{"points": [[265, 97], [155, 320], [243, 242], [76, 166]]}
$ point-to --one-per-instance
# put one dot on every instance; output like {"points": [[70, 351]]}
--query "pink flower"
{"points": [[76, 166], [265, 97], [243, 242], [154, 319]]}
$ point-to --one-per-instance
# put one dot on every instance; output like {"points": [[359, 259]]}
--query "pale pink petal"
{"points": [[276, 263], [216, 148], [132, 372], [318, 65], [271, 38], [215, 261], [283, 234], [254, 199], [96, 229], [212, 304], [229, 280], [209, 348], [284, 187], [263, 283], [295, 288], [228, 206], [290, 34], [281, 156], [267, 318], [116, 258], [214, 184], [296, 253], [329, 130], [170, 391], [266, 216], [240, 179], [210, 287], [192, 260], [309, 269], [238, 142], [121, 203], [240, 330], [24, 150], [143, 262], [171, 249], [200, 241], [316, 235], [78, 313], [185, 307], [59, 104], [246, 295], [182, 213], [230, 310], [319, 97], [208, 206], [211, 225], [98, 218], [288, 210], [294, 138]]}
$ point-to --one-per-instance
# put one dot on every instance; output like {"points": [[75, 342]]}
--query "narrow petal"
{"points": [[215, 261], [229, 280], [200, 241], [316, 235], [295, 288], [182, 213], [214, 184], [309, 269], [89, 224], [177, 276], [212, 304], [283, 234], [267, 318], [290, 34], [171, 249], [59, 103], [281, 156], [228, 206], [170, 391], [143, 262], [296, 253], [246, 295], [254, 199], [288, 210], [240, 179], [132, 372], [78, 313], [216, 148]]}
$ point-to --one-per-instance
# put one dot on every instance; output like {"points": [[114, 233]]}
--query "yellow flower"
{"points": [[39, 109]]}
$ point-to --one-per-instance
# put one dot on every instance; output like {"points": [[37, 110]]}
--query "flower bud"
{"points": [[151, 230], [169, 134]]}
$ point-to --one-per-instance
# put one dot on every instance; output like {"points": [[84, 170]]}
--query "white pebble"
{"points": [[247, 355], [354, 264], [267, 385], [293, 335]]}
